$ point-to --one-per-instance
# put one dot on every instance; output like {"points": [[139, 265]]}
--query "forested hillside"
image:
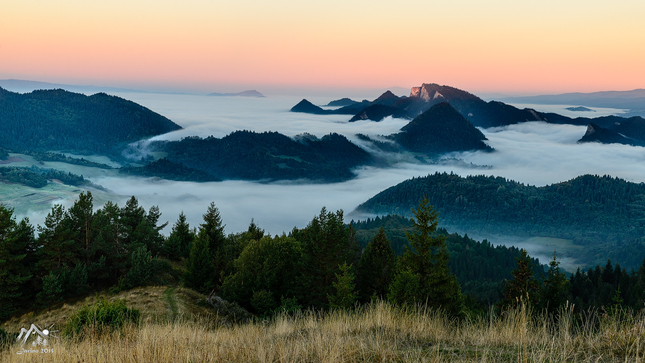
{"points": [[60, 120], [324, 266], [481, 268], [269, 156], [603, 213]]}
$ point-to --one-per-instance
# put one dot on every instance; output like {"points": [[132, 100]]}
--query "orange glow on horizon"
{"points": [[496, 46]]}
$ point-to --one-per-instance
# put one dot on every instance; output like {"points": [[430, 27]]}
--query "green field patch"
{"points": [[25, 199]]}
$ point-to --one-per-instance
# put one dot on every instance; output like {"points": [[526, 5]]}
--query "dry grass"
{"points": [[377, 333]]}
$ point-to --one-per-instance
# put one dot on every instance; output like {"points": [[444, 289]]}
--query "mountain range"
{"points": [[47, 120], [250, 93], [633, 101], [481, 113]]}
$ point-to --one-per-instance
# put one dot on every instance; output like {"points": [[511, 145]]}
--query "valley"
{"points": [[525, 152]]}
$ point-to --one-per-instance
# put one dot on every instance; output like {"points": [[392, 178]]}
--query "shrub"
{"points": [[5, 339], [102, 316]]}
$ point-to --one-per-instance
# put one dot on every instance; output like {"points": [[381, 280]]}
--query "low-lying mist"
{"points": [[534, 153]]}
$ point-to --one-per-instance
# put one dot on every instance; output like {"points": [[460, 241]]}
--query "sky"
{"points": [[504, 46]]}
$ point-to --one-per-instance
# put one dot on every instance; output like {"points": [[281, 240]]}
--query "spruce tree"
{"points": [[57, 241], [177, 245], [556, 287], [376, 268], [212, 231], [81, 216], [200, 269], [328, 243], [16, 245], [523, 288], [423, 270], [345, 294]]}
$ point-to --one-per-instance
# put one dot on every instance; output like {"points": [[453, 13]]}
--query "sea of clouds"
{"points": [[534, 153]]}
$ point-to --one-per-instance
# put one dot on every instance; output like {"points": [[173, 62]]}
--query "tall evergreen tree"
{"points": [[16, 250], [345, 294], [132, 215], [211, 232], [328, 243], [178, 243], [523, 287], [57, 241], [109, 243], [424, 264], [555, 289], [81, 216], [376, 268], [200, 270]]}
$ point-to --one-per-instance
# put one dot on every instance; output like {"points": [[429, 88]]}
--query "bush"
{"points": [[102, 316], [5, 339]]}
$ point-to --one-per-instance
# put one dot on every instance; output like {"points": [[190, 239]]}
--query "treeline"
{"points": [[609, 289], [60, 120], [602, 213], [321, 266], [481, 268], [78, 250]]}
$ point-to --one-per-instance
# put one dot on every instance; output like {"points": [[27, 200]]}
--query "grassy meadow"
{"points": [[175, 329]]}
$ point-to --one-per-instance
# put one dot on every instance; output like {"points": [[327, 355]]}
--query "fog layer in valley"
{"points": [[534, 153]]}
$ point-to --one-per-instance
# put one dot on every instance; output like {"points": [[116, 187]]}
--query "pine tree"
{"points": [[81, 216], [328, 243], [212, 231], [556, 286], [131, 216], [425, 264], [345, 294], [376, 268], [57, 241], [16, 245], [109, 245], [178, 243], [200, 269], [523, 287]]}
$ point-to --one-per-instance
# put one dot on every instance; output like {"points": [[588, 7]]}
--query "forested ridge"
{"points": [[268, 156], [47, 120], [604, 213], [324, 266]]}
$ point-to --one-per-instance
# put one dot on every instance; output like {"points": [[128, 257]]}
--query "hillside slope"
{"points": [[603, 213], [61, 120]]}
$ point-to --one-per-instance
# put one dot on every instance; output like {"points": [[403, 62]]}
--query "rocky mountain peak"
{"points": [[433, 91]]}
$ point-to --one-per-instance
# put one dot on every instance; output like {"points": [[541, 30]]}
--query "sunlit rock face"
{"points": [[433, 91]]}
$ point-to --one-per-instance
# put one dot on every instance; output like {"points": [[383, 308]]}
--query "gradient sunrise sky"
{"points": [[508, 46]]}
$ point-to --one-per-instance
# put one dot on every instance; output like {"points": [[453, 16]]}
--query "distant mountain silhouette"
{"points": [[441, 129], [62, 120], [580, 109], [249, 93], [305, 106], [477, 111], [378, 113], [600, 134], [633, 100], [342, 102]]}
